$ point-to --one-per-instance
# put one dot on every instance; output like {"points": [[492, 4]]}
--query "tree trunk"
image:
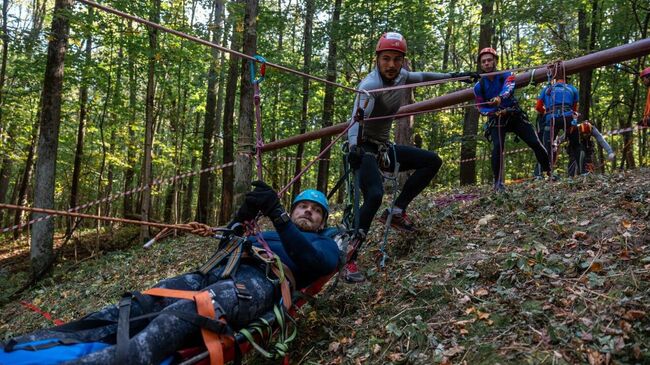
{"points": [[227, 176], [7, 163], [187, 202], [21, 198], [129, 172], [328, 101], [243, 167], [79, 151], [149, 120], [450, 27], [42, 253], [217, 130], [307, 39], [587, 42], [470, 121], [202, 206]]}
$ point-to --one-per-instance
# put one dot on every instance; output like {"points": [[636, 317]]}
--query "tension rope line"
{"points": [[194, 227], [274, 65], [122, 194]]}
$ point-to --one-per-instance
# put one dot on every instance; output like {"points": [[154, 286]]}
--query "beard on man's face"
{"points": [[305, 224]]}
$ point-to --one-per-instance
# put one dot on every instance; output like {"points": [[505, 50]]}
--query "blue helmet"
{"points": [[313, 196]]}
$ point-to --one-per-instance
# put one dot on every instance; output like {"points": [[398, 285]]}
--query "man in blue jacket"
{"points": [[494, 95], [240, 298], [558, 103]]}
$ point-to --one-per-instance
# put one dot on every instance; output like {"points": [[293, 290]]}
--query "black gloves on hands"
{"points": [[473, 76], [263, 198], [355, 156]]}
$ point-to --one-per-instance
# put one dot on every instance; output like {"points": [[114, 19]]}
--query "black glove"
{"points": [[473, 76], [355, 156], [247, 212], [265, 199]]}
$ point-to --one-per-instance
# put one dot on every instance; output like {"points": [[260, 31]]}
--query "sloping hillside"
{"points": [[547, 273]]}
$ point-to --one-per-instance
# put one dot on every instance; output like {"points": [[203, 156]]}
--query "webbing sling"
{"points": [[232, 250], [205, 307], [281, 271]]}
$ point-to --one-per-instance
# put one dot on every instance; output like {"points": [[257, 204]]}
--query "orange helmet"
{"points": [[584, 128], [391, 41], [645, 72], [487, 50]]}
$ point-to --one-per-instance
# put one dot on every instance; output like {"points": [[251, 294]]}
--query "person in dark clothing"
{"points": [[494, 95], [240, 298], [558, 102], [370, 149], [584, 163]]}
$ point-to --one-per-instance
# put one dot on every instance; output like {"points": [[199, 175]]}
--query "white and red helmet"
{"points": [[488, 50], [645, 72], [391, 41]]}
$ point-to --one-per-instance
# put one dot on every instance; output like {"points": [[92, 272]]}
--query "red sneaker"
{"points": [[399, 221], [351, 273]]}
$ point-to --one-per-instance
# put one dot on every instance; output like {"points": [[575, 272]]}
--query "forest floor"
{"points": [[547, 273]]}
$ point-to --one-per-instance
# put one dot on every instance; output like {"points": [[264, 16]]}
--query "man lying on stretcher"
{"points": [[245, 294]]}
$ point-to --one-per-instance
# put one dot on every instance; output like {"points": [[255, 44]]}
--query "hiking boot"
{"points": [[351, 273], [399, 221]]}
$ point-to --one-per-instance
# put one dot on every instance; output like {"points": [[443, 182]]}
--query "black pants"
{"points": [[425, 163], [517, 123], [166, 333], [583, 162], [572, 135]]}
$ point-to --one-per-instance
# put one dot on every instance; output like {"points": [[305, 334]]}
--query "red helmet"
{"points": [[489, 50], [391, 41], [584, 128], [645, 72]]}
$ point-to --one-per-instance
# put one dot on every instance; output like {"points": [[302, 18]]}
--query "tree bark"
{"points": [[217, 130], [227, 176], [304, 114], [243, 167], [189, 193], [470, 121], [328, 101], [203, 206], [450, 27], [21, 197], [129, 172], [41, 252], [79, 151], [587, 41], [149, 120], [7, 163]]}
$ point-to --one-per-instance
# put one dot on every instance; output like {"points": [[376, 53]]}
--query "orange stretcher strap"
{"points": [[203, 299], [172, 293]]}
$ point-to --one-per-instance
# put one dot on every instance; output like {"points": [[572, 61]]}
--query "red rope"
{"points": [[45, 314]]}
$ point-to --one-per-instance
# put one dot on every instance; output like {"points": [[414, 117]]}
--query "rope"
{"points": [[258, 110], [209, 44], [194, 227], [123, 194], [274, 65]]}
